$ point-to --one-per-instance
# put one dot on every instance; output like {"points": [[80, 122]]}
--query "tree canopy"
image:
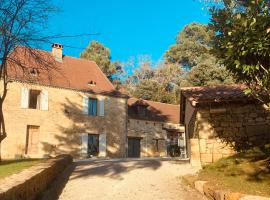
{"points": [[242, 42], [209, 73], [193, 49], [97, 52], [157, 84], [192, 43]]}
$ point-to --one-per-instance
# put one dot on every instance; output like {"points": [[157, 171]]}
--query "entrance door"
{"points": [[93, 144], [32, 140], [173, 147], [134, 147]]}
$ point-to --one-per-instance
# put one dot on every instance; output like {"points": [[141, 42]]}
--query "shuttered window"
{"points": [[34, 99], [92, 107]]}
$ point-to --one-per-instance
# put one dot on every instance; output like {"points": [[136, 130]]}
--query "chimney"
{"points": [[57, 51]]}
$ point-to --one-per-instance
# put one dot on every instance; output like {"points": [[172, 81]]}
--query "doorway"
{"points": [[32, 140], [93, 144], [173, 146], [134, 147]]}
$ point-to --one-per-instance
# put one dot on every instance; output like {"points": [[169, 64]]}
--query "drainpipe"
{"points": [[126, 131]]}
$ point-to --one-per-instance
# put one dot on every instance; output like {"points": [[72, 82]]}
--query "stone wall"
{"points": [[63, 124], [220, 130], [28, 184], [148, 131]]}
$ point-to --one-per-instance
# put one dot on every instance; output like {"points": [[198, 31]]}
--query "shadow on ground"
{"points": [[111, 169], [56, 188]]}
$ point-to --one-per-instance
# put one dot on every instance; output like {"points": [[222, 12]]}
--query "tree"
{"points": [[242, 42], [102, 56], [21, 24], [209, 73], [192, 43], [157, 84], [193, 52]]}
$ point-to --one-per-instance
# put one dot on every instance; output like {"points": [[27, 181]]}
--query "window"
{"points": [[34, 99], [92, 107], [142, 110]]}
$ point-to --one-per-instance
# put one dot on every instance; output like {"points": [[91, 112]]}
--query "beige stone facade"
{"points": [[62, 123], [155, 127], [153, 136], [214, 129]]}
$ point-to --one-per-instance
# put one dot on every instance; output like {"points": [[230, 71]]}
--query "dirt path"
{"points": [[117, 180]]}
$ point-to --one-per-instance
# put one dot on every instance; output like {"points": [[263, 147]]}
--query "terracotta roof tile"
{"points": [[219, 94], [156, 111], [71, 73]]}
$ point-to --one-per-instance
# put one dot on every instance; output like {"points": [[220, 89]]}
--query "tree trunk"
{"points": [[3, 133]]}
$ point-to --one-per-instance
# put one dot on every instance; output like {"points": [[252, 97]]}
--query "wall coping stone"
{"points": [[29, 183], [206, 189]]}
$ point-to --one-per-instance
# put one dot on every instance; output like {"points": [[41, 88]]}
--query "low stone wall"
{"points": [[28, 184], [212, 193]]}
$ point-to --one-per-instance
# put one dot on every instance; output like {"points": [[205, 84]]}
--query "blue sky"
{"points": [[128, 27]]}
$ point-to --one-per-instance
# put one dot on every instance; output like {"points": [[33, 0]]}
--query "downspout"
{"points": [[126, 131]]}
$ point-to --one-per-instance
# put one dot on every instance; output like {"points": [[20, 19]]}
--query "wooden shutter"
{"points": [[84, 145], [44, 101], [181, 142], [85, 105], [24, 97], [102, 145], [101, 107]]}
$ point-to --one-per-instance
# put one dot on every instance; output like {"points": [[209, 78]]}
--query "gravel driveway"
{"points": [[133, 179]]}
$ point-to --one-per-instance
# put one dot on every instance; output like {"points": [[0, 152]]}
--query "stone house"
{"points": [[219, 118], [154, 129], [71, 108]]}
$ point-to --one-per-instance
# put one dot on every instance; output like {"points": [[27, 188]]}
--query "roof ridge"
{"points": [[156, 101]]}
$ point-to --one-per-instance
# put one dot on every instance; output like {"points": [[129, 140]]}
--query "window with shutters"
{"points": [[92, 107], [34, 99]]}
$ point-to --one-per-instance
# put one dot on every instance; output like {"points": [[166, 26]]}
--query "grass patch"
{"points": [[10, 167], [248, 173]]}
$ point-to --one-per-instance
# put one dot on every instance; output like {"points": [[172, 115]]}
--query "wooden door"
{"points": [[32, 140], [134, 147]]}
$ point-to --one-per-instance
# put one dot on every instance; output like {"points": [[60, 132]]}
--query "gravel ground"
{"points": [[123, 179]]}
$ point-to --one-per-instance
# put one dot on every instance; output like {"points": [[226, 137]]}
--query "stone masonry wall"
{"points": [[218, 128], [63, 124], [148, 131], [28, 184]]}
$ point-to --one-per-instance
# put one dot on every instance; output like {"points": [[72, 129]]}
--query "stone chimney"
{"points": [[57, 51]]}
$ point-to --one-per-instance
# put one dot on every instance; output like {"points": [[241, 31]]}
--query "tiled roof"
{"points": [[71, 73], [156, 111], [218, 94]]}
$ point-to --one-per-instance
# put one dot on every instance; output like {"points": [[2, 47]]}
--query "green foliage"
{"points": [[101, 55], [192, 43], [160, 84], [210, 74], [192, 49], [242, 42]]}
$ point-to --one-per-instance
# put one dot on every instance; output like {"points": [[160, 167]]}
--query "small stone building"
{"points": [[217, 118], [69, 108], [154, 129]]}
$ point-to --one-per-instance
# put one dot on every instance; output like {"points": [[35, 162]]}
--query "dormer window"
{"points": [[91, 83], [33, 72], [142, 110]]}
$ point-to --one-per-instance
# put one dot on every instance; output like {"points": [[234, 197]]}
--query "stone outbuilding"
{"points": [[154, 129], [219, 118]]}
